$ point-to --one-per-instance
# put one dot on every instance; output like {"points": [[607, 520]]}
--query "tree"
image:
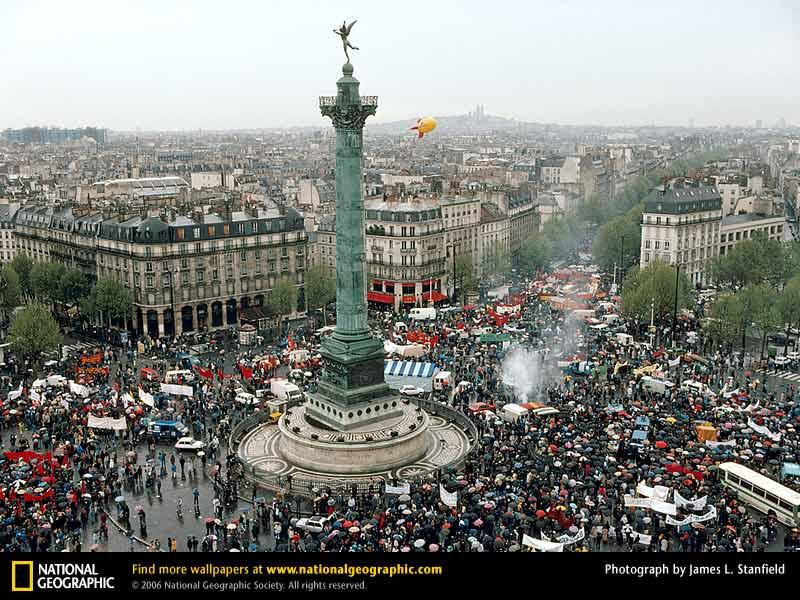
{"points": [[22, 264], [73, 286], [110, 297], [725, 319], [534, 255], [755, 260], [88, 305], [10, 291], [564, 237], [282, 299], [34, 332], [619, 241], [594, 210], [655, 284], [464, 274], [766, 316], [788, 306], [320, 288], [498, 262], [751, 299], [45, 281]]}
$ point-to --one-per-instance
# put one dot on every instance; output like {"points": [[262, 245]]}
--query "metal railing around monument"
{"points": [[302, 486]]}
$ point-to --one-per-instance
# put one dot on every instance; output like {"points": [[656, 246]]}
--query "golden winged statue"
{"points": [[343, 32]]}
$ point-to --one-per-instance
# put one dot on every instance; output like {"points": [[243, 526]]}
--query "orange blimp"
{"points": [[424, 125]]}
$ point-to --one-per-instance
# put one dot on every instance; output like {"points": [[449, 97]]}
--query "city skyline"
{"points": [[573, 65]]}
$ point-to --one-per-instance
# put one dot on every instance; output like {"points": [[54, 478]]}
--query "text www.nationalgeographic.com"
{"points": [[354, 570]]}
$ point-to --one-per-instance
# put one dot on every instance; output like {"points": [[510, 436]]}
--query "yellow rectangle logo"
{"points": [[18, 565]]}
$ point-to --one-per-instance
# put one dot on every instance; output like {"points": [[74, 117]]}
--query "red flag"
{"points": [[291, 342], [204, 373], [247, 372], [220, 375]]}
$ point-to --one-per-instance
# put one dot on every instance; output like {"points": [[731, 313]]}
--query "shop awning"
{"points": [[408, 368], [437, 296], [379, 297]]}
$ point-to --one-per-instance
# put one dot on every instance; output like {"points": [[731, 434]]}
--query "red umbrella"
{"points": [[661, 444], [540, 513]]}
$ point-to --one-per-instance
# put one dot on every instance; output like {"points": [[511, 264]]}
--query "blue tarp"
{"points": [[639, 435], [642, 422]]}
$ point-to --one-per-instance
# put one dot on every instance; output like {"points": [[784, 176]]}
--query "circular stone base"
{"points": [[261, 449], [383, 445]]}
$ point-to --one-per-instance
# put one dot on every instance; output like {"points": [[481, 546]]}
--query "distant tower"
{"points": [[691, 123], [758, 123]]}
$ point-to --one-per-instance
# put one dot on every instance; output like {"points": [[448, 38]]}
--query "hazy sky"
{"points": [[245, 64]]}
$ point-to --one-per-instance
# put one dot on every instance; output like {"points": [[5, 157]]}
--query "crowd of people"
{"points": [[561, 481]]}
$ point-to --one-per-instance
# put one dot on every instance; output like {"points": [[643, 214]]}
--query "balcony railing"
{"points": [[331, 100], [398, 234]]}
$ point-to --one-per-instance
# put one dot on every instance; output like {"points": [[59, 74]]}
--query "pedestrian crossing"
{"points": [[788, 375], [77, 348]]}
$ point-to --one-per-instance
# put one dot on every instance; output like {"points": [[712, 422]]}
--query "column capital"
{"points": [[350, 117]]}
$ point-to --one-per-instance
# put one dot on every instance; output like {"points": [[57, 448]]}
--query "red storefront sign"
{"points": [[379, 297], [437, 296]]}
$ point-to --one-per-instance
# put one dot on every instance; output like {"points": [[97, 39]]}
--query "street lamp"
{"points": [[652, 326], [675, 307], [172, 299]]}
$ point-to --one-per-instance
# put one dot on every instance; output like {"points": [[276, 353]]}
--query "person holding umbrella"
{"points": [[142, 521]]}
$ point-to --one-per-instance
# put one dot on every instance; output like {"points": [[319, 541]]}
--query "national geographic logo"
{"points": [[21, 575], [25, 577]]}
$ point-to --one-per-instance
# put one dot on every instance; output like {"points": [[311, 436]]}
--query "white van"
{"points": [[442, 380], [174, 376], [422, 314], [624, 339], [610, 319]]}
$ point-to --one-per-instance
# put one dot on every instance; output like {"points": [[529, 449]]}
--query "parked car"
{"points": [[411, 390], [246, 398], [480, 407], [782, 361], [189, 443], [312, 524]]}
